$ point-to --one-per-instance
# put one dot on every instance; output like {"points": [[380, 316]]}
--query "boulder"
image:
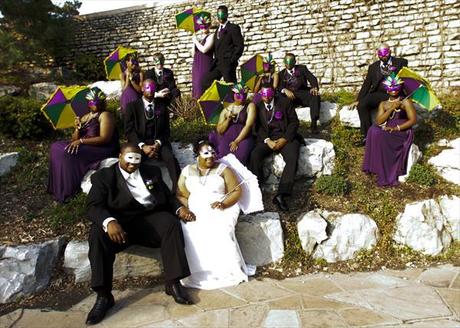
{"points": [[260, 237], [86, 181], [413, 157], [7, 162], [327, 112], [183, 153], [450, 208], [42, 91], [447, 163], [135, 261], [27, 269], [111, 88], [311, 228], [423, 227], [9, 90], [349, 117]]}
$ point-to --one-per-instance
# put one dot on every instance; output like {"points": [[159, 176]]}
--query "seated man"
{"points": [[372, 92], [130, 204], [276, 128], [147, 125], [301, 87], [164, 79]]}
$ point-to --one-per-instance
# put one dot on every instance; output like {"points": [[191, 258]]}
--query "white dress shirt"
{"points": [[272, 107], [146, 106]]}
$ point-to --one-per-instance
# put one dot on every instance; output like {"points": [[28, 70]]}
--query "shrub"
{"points": [[21, 118], [89, 67], [422, 175], [186, 108], [341, 97], [188, 131], [333, 185]]}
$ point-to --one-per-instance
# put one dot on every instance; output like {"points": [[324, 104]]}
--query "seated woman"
{"points": [[234, 129], [269, 76], [131, 81], [211, 191], [94, 139], [388, 142]]}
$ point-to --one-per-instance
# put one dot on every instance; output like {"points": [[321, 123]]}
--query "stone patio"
{"points": [[388, 298]]}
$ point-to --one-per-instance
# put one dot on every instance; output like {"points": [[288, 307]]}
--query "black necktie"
{"points": [[150, 109], [269, 107]]}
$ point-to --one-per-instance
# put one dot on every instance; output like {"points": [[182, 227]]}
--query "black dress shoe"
{"points": [[100, 308], [178, 293], [279, 201]]}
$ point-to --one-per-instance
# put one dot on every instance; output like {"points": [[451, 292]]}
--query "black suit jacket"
{"points": [[110, 197], [307, 78], [289, 117], [168, 82], [135, 122], [374, 76], [229, 47]]}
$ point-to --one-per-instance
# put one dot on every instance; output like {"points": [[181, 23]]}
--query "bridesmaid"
{"points": [[389, 140], [233, 131], [203, 43], [94, 139], [269, 76], [131, 81]]}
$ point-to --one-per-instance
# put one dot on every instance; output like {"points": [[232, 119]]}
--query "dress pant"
{"points": [[366, 105], [228, 72], [304, 98], [290, 153], [167, 156], [152, 229]]}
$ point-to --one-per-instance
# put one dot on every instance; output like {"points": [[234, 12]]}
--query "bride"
{"points": [[210, 191]]}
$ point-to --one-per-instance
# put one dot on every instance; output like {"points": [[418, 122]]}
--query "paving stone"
{"points": [[216, 318], [214, 299], [367, 280], [405, 303], [321, 319], [437, 277], [51, 319], [281, 319], [248, 316], [407, 274], [86, 304], [316, 287], [456, 282], [430, 324], [452, 298], [163, 324], [134, 316], [290, 302], [256, 291], [318, 303], [365, 317], [8, 319]]}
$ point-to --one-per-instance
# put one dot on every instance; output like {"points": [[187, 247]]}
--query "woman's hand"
{"points": [[218, 205], [186, 215], [72, 148], [77, 123], [393, 129], [233, 146]]}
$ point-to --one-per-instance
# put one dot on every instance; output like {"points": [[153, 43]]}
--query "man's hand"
{"points": [[280, 143], [314, 91], [271, 144], [116, 232], [162, 93], [354, 105], [289, 94], [186, 215], [150, 151]]}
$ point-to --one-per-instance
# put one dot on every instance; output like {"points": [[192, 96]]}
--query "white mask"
{"points": [[207, 152], [132, 158]]}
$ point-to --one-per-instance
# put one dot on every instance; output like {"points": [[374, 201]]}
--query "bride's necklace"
{"points": [[202, 178]]}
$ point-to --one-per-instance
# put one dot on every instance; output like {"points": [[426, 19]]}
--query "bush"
{"points": [[186, 108], [341, 97], [21, 118], [422, 175], [333, 185], [89, 67], [188, 131]]}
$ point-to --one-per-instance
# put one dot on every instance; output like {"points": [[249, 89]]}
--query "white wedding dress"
{"points": [[212, 250]]}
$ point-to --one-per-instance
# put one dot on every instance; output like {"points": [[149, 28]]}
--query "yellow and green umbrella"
{"points": [[189, 19], [218, 96], [112, 62], [418, 89], [250, 70], [65, 104]]}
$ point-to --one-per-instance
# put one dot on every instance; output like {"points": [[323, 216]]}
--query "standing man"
{"points": [[147, 125], [276, 128], [301, 87], [372, 92], [130, 204], [165, 82], [228, 48]]}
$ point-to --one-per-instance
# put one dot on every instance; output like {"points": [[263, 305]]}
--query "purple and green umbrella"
{"points": [[190, 19], [252, 68], [65, 104], [218, 96], [418, 89], [112, 62]]}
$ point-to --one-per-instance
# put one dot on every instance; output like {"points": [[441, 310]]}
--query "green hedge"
{"points": [[333, 185]]}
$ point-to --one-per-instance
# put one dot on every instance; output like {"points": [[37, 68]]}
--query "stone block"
{"points": [[327, 112], [7, 162]]}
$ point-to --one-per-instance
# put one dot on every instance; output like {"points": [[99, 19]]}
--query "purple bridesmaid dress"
{"points": [[201, 66], [129, 94], [222, 141], [67, 170], [386, 153]]}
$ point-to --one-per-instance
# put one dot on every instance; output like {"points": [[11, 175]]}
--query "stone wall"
{"points": [[335, 38]]}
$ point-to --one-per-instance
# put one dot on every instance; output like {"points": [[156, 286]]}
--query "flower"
{"points": [[149, 184], [278, 115]]}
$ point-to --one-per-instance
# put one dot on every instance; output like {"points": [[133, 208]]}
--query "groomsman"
{"points": [[372, 92], [228, 48]]}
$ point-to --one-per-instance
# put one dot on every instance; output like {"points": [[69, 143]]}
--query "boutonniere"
{"points": [[392, 68], [149, 184], [278, 115], [157, 113]]}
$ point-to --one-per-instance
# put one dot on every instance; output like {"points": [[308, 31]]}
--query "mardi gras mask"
{"points": [[239, 92], [132, 158], [267, 93], [207, 152], [203, 22], [95, 96], [134, 62], [158, 61], [222, 15], [393, 84], [383, 52], [289, 61], [266, 67], [149, 87], [93, 103]]}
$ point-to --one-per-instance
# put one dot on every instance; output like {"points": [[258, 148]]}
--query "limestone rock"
{"points": [[349, 117], [327, 112], [135, 261], [9, 90], [450, 208], [111, 88], [311, 228], [183, 153], [447, 163], [43, 90], [7, 162], [86, 181], [260, 237], [413, 157], [423, 227], [27, 269]]}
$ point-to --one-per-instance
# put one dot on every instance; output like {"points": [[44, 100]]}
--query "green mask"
{"points": [[157, 61], [290, 61], [222, 15]]}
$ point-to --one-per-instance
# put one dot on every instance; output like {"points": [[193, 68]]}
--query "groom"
{"points": [[228, 48], [130, 204]]}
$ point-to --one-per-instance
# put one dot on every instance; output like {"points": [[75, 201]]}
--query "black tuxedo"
{"points": [[151, 227], [167, 80], [139, 129], [283, 125], [302, 81], [228, 48], [372, 92]]}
